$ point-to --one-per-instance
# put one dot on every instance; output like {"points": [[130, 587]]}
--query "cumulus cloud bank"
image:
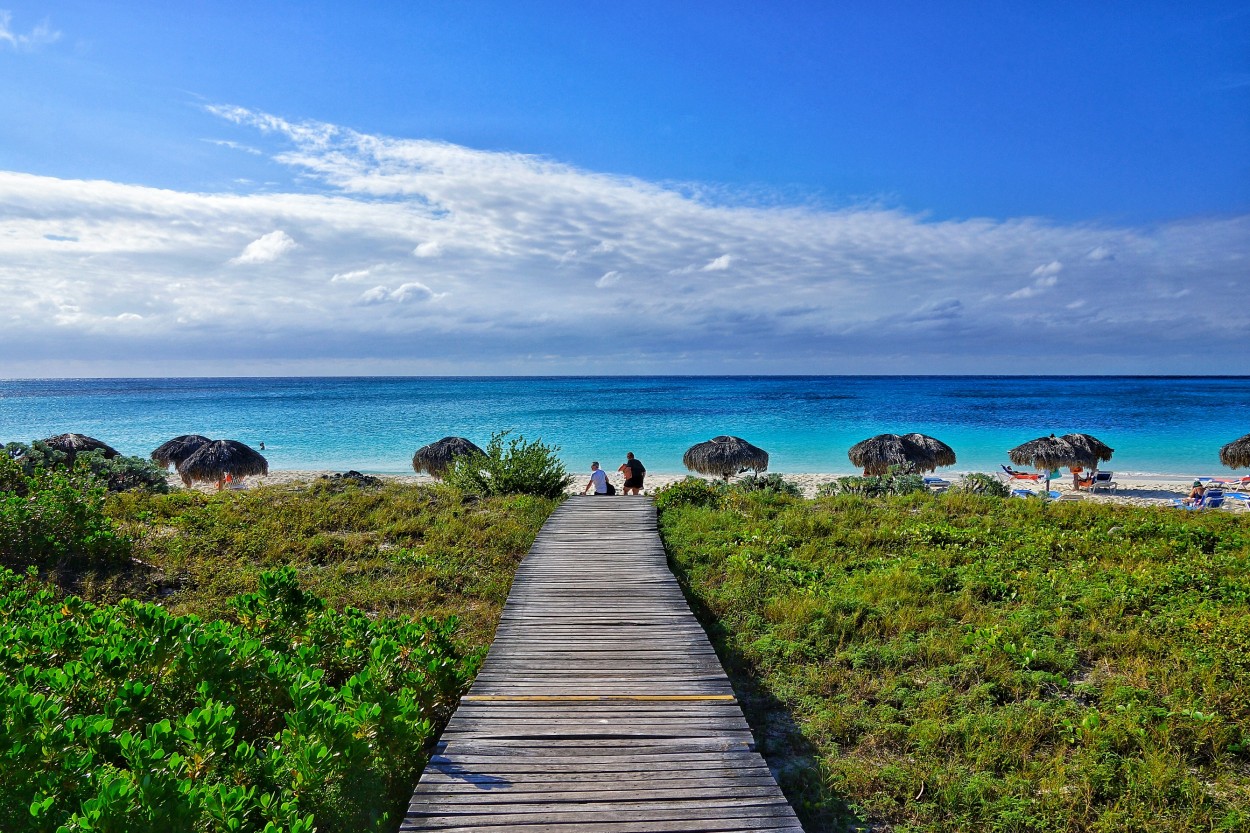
{"points": [[408, 255]]}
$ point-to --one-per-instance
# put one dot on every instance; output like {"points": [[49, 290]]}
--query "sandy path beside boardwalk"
{"points": [[1152, 491]]}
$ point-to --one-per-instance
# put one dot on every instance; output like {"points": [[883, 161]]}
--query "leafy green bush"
{"points": [[520, 468], [54, 519], [691, 491], [894, 483], [979, 483], [767, 483], [117, 474], [128, 718]]}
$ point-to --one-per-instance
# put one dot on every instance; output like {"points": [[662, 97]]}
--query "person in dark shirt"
{"points": [[634, 470]]}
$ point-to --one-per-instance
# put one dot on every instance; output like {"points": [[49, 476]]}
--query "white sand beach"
{"points": [[1155, 490]]}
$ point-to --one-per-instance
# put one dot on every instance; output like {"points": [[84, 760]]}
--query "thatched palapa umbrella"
{"points": [[943, 454], [173, 452], [876, 454], [725, 456], [1049, 453], [212, 462], [1091, 445], [1236, 455], [73, 444], [437, 458]]}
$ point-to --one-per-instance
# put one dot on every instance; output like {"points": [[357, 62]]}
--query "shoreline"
{"points": [[1153, 490]]}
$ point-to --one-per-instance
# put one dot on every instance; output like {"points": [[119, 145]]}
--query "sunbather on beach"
{"points": [[1195, 494]]}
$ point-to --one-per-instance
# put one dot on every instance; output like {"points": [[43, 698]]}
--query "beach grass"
{"points": [[958, 662], [394, 550]]}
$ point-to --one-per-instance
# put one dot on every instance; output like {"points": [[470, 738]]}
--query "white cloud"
{"points": [[1050, 270], [413, 291], [354, 275], [527, 245], [226, 143], [1100, 253], [410, 292], [375, 296], [430, 248], [266, 248], [1047, 276], [42, 35]]}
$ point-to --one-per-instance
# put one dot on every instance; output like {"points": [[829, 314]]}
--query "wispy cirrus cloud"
{"points": [[402, 255], [40, 35]]}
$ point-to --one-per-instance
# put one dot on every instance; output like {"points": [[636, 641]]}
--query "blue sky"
{"points": [[624, 188]]}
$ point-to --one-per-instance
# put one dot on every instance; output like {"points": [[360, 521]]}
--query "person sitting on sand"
{"points": [[1195, 494], [634, 470], [598, 480]]}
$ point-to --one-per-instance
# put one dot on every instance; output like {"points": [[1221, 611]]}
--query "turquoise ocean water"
{"points": [[1157, 425]]}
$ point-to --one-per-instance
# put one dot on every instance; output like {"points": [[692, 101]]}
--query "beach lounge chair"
{"points": [[1103, 482], [1054, 495], [1012, 474], [1023, 493], [1237, 500], [1211, 499]]}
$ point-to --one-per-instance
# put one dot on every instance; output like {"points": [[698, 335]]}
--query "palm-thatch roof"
{"points": [[73, 444], [1046, 453], [437, 458], [1091, 445], [725, 456], [173, 452], [876, 455], [215, 460], [1236, 455], [943, 454]]}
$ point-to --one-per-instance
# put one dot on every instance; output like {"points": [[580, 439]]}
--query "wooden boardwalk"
{"points": [[601, 705]]}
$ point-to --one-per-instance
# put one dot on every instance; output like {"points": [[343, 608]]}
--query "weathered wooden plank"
{"points": [[601, 705]]}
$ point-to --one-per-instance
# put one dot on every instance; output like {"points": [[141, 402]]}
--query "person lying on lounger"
{"points": [[1021, 475]]}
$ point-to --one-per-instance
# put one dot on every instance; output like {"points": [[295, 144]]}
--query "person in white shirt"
{"points": [[598, 480]]}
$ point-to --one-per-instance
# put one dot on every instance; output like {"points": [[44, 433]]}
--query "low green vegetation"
{"points": [[116, 474], [517, 467], [395, 550], [894, 483], [292, 718], [961, 662], [53, 519], [245, 700]]}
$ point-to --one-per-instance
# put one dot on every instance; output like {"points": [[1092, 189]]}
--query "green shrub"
{"points": [[692, 491], [54, 519], [894, 483], [767, 483], [520, 468], [979, 483], [118, 474], [124, 717]]}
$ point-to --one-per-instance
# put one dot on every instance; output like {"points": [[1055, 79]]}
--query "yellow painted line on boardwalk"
{"points": [[579, 698]]}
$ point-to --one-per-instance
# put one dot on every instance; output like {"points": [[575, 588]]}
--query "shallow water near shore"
{"points": [[1158, 425]]}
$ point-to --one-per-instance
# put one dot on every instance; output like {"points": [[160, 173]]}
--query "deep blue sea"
{"points": [[1157, 425]]}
